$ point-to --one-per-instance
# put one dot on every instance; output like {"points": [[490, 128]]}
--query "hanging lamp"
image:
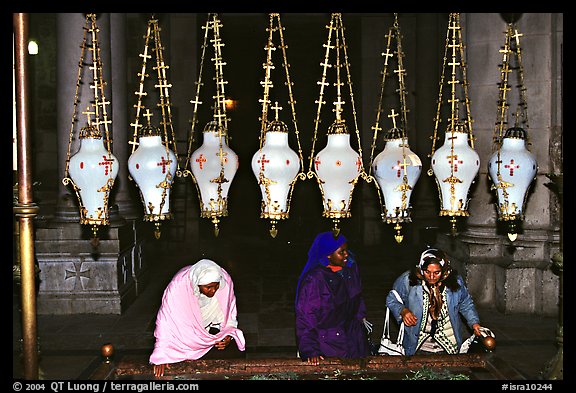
{"points": [[92, 170], [455, 164], [396, 168], [337, 167], [154, 159], [214, 164], [512, 167], [275, 165]]}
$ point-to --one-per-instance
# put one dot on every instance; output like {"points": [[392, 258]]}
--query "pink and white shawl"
{"points": [[180, 334]]}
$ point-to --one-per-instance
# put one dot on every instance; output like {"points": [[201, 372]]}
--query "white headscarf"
{"points": [[430, 253], [205, 272]]}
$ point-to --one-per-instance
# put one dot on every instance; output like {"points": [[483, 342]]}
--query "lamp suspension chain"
{"points": [[456, 163], [91, 212], [512, 167]]}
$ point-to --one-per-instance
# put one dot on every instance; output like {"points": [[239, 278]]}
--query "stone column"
{"points": [[430, 41], [374, 26], [125, 196], [76, 277], [514, 276], [69, 37]]}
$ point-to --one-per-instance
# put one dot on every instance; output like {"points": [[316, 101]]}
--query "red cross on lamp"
{"points": [[276, 167], [455, 165], [153, 166], [512, 169], [93, 170], [337, 167], [214, 165], [397, 169], [201, 160], [154, 163]]}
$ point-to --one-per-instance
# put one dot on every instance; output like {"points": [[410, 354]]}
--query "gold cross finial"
{"points": [[276, 108], [393, 116], [517, 36], [88, 113], [148, 115]]}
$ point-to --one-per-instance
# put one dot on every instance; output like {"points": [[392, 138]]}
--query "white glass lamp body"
{"points": [[337, 167], [275, 166], [517, 168], [207, 163], [390, 166], [153, 166], [455, 165], [93, 170]]}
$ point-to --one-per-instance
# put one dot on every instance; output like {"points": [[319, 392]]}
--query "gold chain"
{"points": [[213, 25], [98, 84], [523, 104], [292, 101], [165, 104], [337, 27], [393, 32], [511, 48], [67, 179], [453, 42], [275, 25], [268, 85], [196, 101]]}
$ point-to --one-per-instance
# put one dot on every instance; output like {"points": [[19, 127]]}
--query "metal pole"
{"points": [[25, 210]]}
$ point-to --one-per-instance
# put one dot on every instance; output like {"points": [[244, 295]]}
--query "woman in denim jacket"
{"points": [[433, 297]]}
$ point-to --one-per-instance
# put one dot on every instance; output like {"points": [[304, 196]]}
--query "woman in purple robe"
{"points": [[330, 309]]}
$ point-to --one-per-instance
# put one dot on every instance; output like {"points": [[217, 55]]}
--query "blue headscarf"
{"points": [[324, 245]]}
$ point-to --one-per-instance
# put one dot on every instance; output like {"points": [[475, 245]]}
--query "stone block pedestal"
{"points": [[512, 277], [77, 278]]}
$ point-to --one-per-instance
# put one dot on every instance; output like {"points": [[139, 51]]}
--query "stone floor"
{"points": [[265, 273]]}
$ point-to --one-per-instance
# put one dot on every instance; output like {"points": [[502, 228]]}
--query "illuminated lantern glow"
{"points": [[338, 167], [397, 169], [93, 170], [455, 165], [276, 167], [214, 166], [512, 170], [153, 166]]}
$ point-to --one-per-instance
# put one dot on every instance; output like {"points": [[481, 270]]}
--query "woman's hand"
{"points": [[408, 317], [159, 369], [223, 343], [315, 360], [477, 331]]}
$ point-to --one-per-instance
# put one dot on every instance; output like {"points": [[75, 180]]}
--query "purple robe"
{"points": [[329, 313]]}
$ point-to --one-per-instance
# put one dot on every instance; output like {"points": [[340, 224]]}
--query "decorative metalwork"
{"points": [[455, 164], [276, 166], [212, 177], [396, 168], [337, 167], [92, 196], [154, 159], [512, 167]]}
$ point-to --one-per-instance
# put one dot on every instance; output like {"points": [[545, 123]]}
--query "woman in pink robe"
{"points": [[198, 313]]}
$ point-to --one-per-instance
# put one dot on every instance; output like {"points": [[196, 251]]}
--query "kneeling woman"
{"points": [[434, 298], [197, 318]]}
